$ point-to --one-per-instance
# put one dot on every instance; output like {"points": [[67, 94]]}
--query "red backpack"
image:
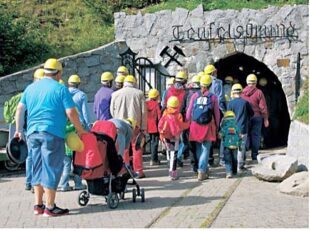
{"points": [[169, 126]]}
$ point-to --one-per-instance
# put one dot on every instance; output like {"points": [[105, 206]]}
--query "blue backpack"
{"points": [[203, 109]]}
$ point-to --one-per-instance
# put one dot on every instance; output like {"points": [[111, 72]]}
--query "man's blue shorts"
{"points": [[48, 153]]}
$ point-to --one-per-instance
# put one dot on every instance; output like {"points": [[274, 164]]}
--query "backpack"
{"points": [[169, 127], [231, 135], [203, 109]]}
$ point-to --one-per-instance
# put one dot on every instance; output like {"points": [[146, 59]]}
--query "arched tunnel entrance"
{"points": [[239, 65]]}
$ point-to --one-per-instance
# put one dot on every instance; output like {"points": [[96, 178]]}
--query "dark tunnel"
{"points": [[239, 65]]}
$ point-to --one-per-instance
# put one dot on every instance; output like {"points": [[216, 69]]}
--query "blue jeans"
{"points": [[29, 168], [184, 144], [255, 134], [242, 151], [202, 153], [121, 141], [231, 160], [64, 181], [48, 153], [221, 156]]}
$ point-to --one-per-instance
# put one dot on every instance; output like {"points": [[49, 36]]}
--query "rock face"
{"points": [[148, 34], [88, 65], [275, 168], [298, 144], [297, 184]]}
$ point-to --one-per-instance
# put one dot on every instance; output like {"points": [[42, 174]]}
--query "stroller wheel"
{"points": [[83, 198], [142, 194], [113, 200], [134, 195]]}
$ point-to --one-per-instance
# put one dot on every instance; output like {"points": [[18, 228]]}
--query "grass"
{"points": [[214, 4], [302, 108]]}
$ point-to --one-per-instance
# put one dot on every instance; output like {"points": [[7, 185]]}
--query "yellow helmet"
{"points": [[170, 81], [173, 102], [229, 114], [209, 69], [119, 79], [74, 79], [61, 82], [39, 73], [53, 64], [201, 73], [122, 69], [106, 76], [74, 142], [132, 122], [153, 93], [251, 78], [263, 82], [130, 79], [205, 80], [196, 79], [229, 78], [236, 88], [181, 75]]}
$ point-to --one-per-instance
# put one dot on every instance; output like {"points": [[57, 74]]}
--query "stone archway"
{"points": [[239, 65]]}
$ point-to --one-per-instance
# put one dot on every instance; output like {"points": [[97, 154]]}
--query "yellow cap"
{"points": [[196, 79], [205, 80], [132, 122], [229, 114], [153, 93], [39, 73], [130, 79], [74, 79], [53, 64], [229, 78], [61, 82], [263, 82], [119, 79], [74, 142], [122, 69], [170, 81], [209, 69], [236, 88], [173, 102], [251, 78], [106, 76], [181, 75]]}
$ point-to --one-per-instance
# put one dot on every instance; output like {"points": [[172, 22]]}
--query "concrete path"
{"points": [[218, 202]]}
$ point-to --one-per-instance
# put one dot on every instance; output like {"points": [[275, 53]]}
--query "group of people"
{"points": [[184, 119]]}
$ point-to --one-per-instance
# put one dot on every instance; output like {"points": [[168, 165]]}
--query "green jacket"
{"points": [[10, 107], [69, 128]]}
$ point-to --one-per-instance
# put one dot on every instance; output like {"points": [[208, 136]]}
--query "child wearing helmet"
{"points": [[153, 116], [170, 127], [230, 135]]}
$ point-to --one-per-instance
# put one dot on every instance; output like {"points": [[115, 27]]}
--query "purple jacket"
{"points": [[102, 103]]}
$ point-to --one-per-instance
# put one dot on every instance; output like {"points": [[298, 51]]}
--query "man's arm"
{"points": [[20, 120], [85, 111], [74, 119]]}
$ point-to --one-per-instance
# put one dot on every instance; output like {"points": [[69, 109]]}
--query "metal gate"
{"points": [[147, 74]]}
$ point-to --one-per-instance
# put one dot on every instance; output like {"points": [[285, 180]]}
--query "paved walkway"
{"points": [[243, 201]]}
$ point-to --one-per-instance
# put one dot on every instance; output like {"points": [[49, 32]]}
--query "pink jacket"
{"points": [[257, 100], [201, 133]]}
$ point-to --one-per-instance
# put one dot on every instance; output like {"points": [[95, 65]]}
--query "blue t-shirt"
{"points": [[46, 101]]}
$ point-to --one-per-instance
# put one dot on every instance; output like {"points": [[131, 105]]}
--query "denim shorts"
{"points": [[48, 153]]}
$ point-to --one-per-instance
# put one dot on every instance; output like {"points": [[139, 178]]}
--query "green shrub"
{"points": [[302, 108]]}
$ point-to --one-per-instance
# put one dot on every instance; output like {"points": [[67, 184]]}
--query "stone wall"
{"points": [[298, 144], [148, 34], [88, 65]]}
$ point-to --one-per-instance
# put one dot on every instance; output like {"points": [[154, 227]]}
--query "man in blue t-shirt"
{"points": [[48, 105], [243, 111]]}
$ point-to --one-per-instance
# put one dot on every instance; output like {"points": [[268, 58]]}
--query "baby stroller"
{"points": [[102, 168]]}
